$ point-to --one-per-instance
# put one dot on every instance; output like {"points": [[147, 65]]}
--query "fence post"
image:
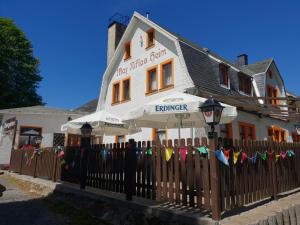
{"points": [[35, 164], [271, 148], [214, 179], [54, 166], [22, 156]]}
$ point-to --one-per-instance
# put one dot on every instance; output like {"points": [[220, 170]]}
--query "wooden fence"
{"points": [[43, 164], [178, 181]]}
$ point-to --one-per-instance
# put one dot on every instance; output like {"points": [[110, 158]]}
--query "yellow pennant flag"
{"points": [[169, 153], [277, 157], [235, 157]]}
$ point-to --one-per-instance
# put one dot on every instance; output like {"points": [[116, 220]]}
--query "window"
{"points": [[74, 140], [116, 93], [150, 38], [151, 80], [226, 130], [272, 93], [247, 131], [127, 53], [270, 74], [223, 74], [277, 134], [120, 139], [159, 134], [126, 89], [245, 84], [28, 136], [167, 74]]}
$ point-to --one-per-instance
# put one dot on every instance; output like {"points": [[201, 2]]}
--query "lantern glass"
{"points": [[86, 130], [212, 111]]}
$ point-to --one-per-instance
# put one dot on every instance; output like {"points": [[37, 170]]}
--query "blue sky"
{"points": [[70, 37]]}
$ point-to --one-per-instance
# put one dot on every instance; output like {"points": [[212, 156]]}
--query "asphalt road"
{"points": [[19, 208]]}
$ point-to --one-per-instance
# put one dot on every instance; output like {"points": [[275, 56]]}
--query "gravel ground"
{"points": [[20, 208]]}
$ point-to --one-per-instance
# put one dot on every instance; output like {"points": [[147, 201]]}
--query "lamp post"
{"points": [[212, 111], [86, 131]]}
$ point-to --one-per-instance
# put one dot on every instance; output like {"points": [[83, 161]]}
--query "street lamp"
{"points": [[86, 130], [212, 111]]}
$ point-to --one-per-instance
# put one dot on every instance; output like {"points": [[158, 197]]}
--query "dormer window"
{"points": [[150, 38], [270, 74], [223, 74], [245, 84], [272, 93], [127, 49]]}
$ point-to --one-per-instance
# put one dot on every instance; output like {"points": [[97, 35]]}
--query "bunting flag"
{"points": [[227, 153], [221, 157], [73, 164], [104, 153], [283, 155], [62, 162], [263, 156], [244, 157], [271, 155], [290, 153], [203, 150], [183, 153], [61, 154], [254, 158], [149, 151], [277, 157], [169, 153], [236, 157]]}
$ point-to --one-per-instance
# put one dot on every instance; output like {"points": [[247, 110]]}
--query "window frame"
{"points": [[113, 102], [224, 67], [242, 83], [162, 86], [33, 127], [148, 70], [274, 94], [127, 55], [272, 131], [151, 30], [117, 137], [123, 89], [246, 126]]}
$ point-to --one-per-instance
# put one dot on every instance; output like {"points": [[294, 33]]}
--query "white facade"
{"points": [[48, 123], [167, 48]]}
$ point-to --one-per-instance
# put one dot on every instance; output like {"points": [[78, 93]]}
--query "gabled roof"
{"points": [[40, 110], [259, 67], [88, 107]]}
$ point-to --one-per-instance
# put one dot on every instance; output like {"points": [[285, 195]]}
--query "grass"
{"points": [[75, 216]]}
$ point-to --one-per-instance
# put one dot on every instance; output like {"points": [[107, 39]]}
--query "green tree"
{"points": [[19, 73]]}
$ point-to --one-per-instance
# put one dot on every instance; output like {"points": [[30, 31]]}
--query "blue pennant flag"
{"points": [[254, 158], [290, 153], [105, 152], [221, 157]]}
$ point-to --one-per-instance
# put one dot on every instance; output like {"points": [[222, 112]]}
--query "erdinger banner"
{"points": [[9, 125], [171, 108]]}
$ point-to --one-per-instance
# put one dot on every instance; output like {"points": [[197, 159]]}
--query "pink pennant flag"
{"points": [[282, 155], [244, 157], [183, 153]]}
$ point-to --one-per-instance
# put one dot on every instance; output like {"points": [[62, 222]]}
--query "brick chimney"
{"points": [[242, 60], [116, 30]]}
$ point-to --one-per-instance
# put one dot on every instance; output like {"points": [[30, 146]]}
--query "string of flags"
{"points": [[223, 155]]}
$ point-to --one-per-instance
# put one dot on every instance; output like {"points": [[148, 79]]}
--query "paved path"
{"points": [[19, 208]]}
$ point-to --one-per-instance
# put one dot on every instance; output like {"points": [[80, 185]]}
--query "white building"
{"points": [[146, 62], [32, 122]]}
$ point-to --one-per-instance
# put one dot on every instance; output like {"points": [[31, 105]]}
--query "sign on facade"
{"points": [[9, 125]]}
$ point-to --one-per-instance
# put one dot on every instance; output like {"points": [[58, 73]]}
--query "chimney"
{"points": [[242, 60], [116, 28]]}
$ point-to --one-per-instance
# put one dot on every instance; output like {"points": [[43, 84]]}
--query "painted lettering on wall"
{"points": [[152, 57]]}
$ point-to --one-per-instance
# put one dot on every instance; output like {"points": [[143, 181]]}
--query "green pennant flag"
{"points": [[149, 151], [203, 149], [263, 156], [290, 153]]}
